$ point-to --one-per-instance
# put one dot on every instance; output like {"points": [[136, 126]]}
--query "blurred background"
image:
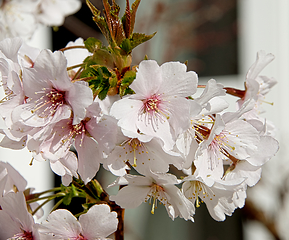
{"points": [[220, 40]]}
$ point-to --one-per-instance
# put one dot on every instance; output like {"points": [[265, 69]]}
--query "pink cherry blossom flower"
{"points": [[15, 220], [159, 106], [92, 138], [14, 57], [98, 223], [202, 107], [51, 95]]}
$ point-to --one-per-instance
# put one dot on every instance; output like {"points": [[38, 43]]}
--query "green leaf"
{"points": [[128, 78], [101, 83], [139, 38], [92, 44], [88, 72], [103, 57], [128, 91], [103, 93], [126, 46]]}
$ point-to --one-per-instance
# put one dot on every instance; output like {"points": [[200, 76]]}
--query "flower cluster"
{"points": [[161, 124], [21, 17], [86, 106]]}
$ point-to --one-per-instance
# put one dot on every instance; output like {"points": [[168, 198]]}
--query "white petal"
{"points": [[98, 222], [62, 224]]}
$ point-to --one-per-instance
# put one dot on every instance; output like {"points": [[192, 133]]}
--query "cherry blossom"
{"points": [[17, 19], [15, 56], [51, 94], [233, 140], [15, 220], [159, 106], [93, 136], [98, 223], [20, 18], [155, 187], [10, 179], [53, 13], [217, 194], [144, 155]]}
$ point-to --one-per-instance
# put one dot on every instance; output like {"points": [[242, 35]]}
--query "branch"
{"points": [[251, 212]]}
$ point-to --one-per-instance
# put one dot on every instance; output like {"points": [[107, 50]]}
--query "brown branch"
{"points": [[251, 212], [119, 233]]}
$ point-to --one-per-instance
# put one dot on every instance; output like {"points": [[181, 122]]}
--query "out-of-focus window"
{"points": [[202, 32]]}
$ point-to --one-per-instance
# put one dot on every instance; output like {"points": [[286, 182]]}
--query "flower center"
{"points": [[23, 236], [49, 102], [156, 192], [80, 237], [75, 130], [199, 192], [135, 146], [202, 132], [151, 104], [154, 111]]}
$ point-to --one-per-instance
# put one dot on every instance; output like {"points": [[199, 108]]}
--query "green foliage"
{"points": [[92, 44], [101, 79], [71, 192], [119, 32], [126, 46], [128, 78], [108, 70]]}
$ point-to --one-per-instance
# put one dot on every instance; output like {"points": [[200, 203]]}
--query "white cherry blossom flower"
{"points": [[257, 87], [17, 18], [234, 140], [202, 107], [155, 187], [65, 167], [53, 13], [10, 178], [144, 155], [217, 194], [14, 57], [20, 18], [98, 223]]}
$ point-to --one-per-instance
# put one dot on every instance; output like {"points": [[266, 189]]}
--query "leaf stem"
{"points": [[74, 66], [71, 47], [57, 204], [40, 206], [83, 79], [50, 197]]}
